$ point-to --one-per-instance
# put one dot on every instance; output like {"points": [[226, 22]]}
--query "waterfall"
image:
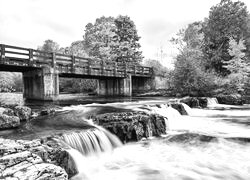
{"points": [[92, 141], [187, 109], [212, 101]]}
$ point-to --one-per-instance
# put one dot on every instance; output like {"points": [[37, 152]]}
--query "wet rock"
{"points": [[232, 99], [23, 112], [13, 163], [47, 111], [8, 121], [2, 110], [179, 107], [192, 102], [42, 171], [34, 159], [9, 112], [132, 126], [203, 101], [195, 102]]}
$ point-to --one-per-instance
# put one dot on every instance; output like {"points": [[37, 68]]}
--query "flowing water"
{"points": [[209, 144]]}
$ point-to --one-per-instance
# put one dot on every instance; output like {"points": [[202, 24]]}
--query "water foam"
{"points": [[92, 141]]}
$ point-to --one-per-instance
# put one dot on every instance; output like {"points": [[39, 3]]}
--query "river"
{"points": [[209, 144]]}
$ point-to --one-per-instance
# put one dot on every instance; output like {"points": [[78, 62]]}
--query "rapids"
{"points": [[209, 144]]}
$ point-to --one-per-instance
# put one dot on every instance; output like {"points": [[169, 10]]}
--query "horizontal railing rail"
{"points": [[64, 63]]}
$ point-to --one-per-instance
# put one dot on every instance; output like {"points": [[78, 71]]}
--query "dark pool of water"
{"points": [[70, 99]]}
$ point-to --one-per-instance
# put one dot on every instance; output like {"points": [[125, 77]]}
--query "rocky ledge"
{"points": [[132, 126], [21, 159], [231, 99]]}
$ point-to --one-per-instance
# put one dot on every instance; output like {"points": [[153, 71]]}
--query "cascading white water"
{"points": [[212, 101], [92, 141], [172, 157]]}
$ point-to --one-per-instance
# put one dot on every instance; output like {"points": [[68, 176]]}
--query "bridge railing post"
{"points": [[2, 57], [125, 69], [89, 67], [115, 68], [73, 63], [31, 57], [53, 59], [103, 67]]}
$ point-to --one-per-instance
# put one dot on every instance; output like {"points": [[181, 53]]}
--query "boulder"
{"points": [[42, 171], [23, 112], [2, 110], [47, 111], [195, 102], [232, 99], [132, 126], [12, 163], [9, 112], [203, 101], [179, 107], [36, 159], [192, 102], [8, 121]]}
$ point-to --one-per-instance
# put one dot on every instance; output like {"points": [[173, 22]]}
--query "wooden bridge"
{"points": [[41, 71]]}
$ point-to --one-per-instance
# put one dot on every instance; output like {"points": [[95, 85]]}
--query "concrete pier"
{"points": [[41, 84]]}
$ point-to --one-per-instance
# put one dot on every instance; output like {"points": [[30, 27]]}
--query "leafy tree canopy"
{"points": [[113, 39], [49, 45], [158, 68], [226, 19]]}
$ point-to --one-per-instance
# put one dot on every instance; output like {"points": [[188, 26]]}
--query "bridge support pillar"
{"points": [[115, 87], [41, 84]]}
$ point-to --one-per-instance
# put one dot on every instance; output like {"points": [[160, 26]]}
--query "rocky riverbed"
{"points": [[45, 158]]}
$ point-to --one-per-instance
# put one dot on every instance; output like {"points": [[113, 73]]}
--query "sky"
{"points": [[28, 23]]}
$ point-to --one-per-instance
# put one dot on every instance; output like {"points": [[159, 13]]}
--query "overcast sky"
{"points": [[28, 23]]}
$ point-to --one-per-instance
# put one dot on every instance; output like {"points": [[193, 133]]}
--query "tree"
{"points": [[238, 66], [128, 49], [158, 68], [192, 36], [11, 82], [100, 38], [226, 19], [189, 75], [113, 39], [49, 46], [76, 48]]}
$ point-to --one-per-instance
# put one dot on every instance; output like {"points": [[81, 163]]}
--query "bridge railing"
{"points": [[19, 56]]}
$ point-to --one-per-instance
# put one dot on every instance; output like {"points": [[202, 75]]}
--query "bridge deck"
{"points": [[12, 57]]}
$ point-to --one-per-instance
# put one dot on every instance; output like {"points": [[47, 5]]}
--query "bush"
{"points": [[73, 85]]}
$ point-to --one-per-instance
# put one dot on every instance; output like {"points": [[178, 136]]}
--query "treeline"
{"points": [[214, 54]]}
